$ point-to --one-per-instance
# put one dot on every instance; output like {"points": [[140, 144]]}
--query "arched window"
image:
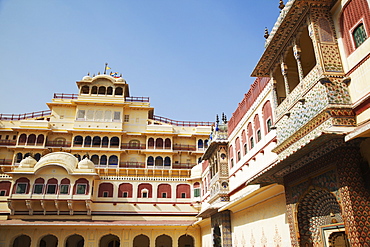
{"points": [[159, 143], [237, 149], [18, 157], [183, 191], [167, 161], [49, 241], [109, 240], [78, 157], [150, 161], [109, 91], [37, 156], [164, 191], [31, 140], [94, 90], [75, 241], [167, 143], [163, 240], [87, 142], [257, 128], [205, 143], [269, 125], [22, 241], [81, 187], [38, 186], [105, 190], [21, 186], [96, 141], [22, 139], [114, 142], [200, 143], [85, 90], [64, 186], [113, 160], [125, 190], [267, 116], [102, 90], [355, 24], [158, 161], [51, 186], [5, 188], [186, 241], [144, 190], [142, 241], [103, 160], [250, 135], [40, 140], [95, 159], [60, 142], [119, 91], [151, 142], [105, 141], [231, 156], [77, 141], [196, 189]]}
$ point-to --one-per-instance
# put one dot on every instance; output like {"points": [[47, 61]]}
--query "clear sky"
{"points": [[193, 58]]}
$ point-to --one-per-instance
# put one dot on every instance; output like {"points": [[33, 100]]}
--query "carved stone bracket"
{"points": [[29, 206], [70, 207], [10, 206]]}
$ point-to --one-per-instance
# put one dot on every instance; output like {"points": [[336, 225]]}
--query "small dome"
{"points": [[86, 164], [120, 79], [87, 78], [196, 171], [27, 162]]}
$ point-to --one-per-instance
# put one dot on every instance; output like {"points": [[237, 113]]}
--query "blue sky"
{"points": [[193, 58]]}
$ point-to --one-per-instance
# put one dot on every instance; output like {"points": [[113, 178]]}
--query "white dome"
{"points": [[86, 164], [120, 79], [86, 78], [196, 171], [27, 162]]}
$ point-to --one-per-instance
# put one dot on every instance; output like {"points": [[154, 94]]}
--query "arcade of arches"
{"points": [[108, 240]]}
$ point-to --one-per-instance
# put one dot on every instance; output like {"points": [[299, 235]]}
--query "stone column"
{"points": [[284, 72]]}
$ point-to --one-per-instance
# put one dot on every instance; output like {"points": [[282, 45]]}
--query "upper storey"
{"points": [[103, 85], [311, 92]]}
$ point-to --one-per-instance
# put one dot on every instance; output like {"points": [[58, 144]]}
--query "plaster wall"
{"points": [[92, 234], [206, 235], [261, 224]]}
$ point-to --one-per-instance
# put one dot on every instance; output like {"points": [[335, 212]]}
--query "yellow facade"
{"points": [[99, 169]]}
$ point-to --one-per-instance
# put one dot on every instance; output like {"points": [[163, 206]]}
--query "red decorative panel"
{"points": [[353, 13]]}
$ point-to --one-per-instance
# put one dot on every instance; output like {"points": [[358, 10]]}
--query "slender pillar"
{"points": [[297, 56], [284, 72]]}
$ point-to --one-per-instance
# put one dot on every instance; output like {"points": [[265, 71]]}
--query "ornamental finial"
{"points": [[266, 33], [281, 4]]}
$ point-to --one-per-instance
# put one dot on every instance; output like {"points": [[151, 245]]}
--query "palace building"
{"points": [[99, 169], [298, 143], [289, 168], [317, 56]]}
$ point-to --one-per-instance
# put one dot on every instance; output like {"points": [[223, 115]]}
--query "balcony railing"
{"points": [[183, 165], [137, 99], [75, 96], [65, 96], [184, 147], [132, 146], [7, 142], [132, 165], [23, 116], [57, 144], [181, 123], [6, 162]]}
